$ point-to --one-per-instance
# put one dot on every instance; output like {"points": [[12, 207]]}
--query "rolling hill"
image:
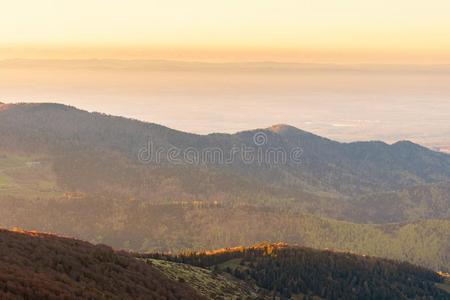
{"points": [[293, 272], [96, 154], [172, 228], [98, 177], [41, 266]]}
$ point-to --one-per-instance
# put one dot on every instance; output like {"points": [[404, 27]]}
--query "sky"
{"points": [[401, 31], [383, 73]]}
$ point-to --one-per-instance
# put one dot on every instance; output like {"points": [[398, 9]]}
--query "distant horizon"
{"points": [[224, 55], [268, 127], [348, 70], [214, 62], [288, 30]]}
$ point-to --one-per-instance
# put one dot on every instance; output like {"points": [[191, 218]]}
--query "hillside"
{"points": [[80, 148], [302, 273], [131, 224], [41, 266], [96, 177], [209, 283]]}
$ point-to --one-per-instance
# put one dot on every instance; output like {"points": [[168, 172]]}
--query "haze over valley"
{"points": [[360, 102]]}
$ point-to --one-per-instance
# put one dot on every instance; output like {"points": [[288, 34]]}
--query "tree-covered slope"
{"points": [[56, 128], [42, 266], [83, 174], [97, 154], [298, 272], [145, 227]]}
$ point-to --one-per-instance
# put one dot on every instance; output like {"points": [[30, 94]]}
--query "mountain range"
{"points": [[145, 187]]}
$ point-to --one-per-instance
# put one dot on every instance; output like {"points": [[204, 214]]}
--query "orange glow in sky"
{"points": [[276, 30]]}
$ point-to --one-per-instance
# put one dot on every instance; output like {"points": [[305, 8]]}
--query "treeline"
{"points": [[294, 271], [143, 227]]}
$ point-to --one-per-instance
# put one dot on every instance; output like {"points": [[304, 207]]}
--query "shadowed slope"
{"points": [[41, 266], [296, 272]]}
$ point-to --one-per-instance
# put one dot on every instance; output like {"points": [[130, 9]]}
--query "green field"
{"points": [[27, 176]]}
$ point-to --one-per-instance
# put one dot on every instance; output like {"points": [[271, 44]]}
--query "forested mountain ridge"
{"points": [[294, 272], [83, 146], [82, 174], [36, 265]]}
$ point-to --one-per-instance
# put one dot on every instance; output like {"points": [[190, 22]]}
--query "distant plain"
{"points": [[329, 100]]}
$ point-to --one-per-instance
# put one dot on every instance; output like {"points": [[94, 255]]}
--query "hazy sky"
{"points": [[352, 101], [281, 30], [348, 103]]}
